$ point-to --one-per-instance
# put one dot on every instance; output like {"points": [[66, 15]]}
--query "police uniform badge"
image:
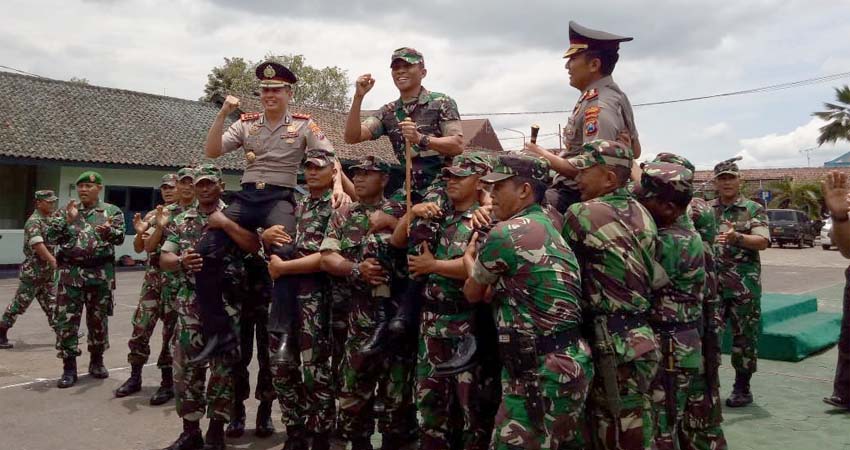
{"points": [[269, 72]]}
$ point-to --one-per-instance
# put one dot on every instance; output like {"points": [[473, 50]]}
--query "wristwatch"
{"points": [[424, 141], [355, 272]]}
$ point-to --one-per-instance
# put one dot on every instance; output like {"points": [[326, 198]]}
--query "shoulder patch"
{"points": [[300, 116], [591, 127], [591, 113], [248, 117], [590, 94]]}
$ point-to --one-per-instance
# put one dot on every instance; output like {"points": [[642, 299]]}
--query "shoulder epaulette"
{"points": [[590, 94], [247, 117], [300, 116]]}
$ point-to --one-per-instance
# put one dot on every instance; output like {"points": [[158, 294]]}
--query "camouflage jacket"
{"points": [[435, 115], [311, 220], [174, 209], [680, 252], [86, 257], [34, 267], [347, 229], [537, 284], [614, 237], [702, 216], [735, 263], [455, 232]]}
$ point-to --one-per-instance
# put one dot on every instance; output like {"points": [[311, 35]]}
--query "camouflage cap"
{"points": [[519, 166], [370, 163], [605, 153], [665, 179], [46, 195], [673, 158], [89, 176], [726, 167], [468, 164], [319, 157], [207, 172], [186, 172], [407, 54], [169, 179]]}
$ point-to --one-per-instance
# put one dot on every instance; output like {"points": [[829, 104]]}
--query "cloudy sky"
{"points": [[491, 56]]}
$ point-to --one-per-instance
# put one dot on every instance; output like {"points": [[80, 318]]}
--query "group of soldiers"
{"points": [[526, 300]]}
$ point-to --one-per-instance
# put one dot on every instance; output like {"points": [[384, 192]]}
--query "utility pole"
{"points": [[520, 133], [808, 153]]}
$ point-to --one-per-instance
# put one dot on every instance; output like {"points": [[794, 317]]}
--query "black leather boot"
{"points": [[296, 438], [69, 373], [214, 439], [286, 352], [377, 341], [236, 427], [4, 341], [265, 424], [133, 384], [166, 388], [406, 318], [224, 344], [96, 367], [189, 439], [741, 394], [462, 359]]}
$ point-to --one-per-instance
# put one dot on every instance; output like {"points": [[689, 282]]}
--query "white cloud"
{"points": [[789, 149]]}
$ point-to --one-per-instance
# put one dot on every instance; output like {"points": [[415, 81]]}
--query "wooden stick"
{"points": [[408, 169], [534, 130]]}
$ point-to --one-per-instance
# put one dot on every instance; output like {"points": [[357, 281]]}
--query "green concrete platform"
{"points": [[792, 328]]}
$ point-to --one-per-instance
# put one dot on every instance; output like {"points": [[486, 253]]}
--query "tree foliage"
{"points": [[837, 116], [796, 195]]}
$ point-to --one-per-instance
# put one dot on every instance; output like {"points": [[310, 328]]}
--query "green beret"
{"points": [[90, 176]]}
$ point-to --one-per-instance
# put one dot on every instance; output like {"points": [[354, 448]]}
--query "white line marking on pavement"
{"points": [[42, 380]]}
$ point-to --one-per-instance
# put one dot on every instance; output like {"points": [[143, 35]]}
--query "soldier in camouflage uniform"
{"points": [[532, 274], [614, 238], [703, 412], [36, 273], [447, 320], [743, 233], [435, 134], [152, 307], [86, 237], [364, 262], [307, 395], [603, 110], [179, 255], [666, 190]]}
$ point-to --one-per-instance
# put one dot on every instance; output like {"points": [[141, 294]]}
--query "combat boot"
{"points": [[376, 342], [224, 344], [286, 352], [133, 384], [189, 439], [462, 360], [236, 427], [166, 388], [406, 318], [69, 373], [296, 438], [214, 439], [4, 341], [741, 395], [96, 367], [265, 424]]}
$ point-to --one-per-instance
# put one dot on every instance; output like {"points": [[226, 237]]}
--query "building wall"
{"points": [[61, 179]]}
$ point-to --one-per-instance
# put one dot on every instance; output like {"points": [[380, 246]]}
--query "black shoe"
{"points": [[462, 359], [265, 424], [836, 401], [225, 345], [166, 388], [236, 426], [296, 438], [4, 341], [214, 440], [133, 384], [69, 373], [287, 351], [741, 395], [96, 367], [188, 440]]}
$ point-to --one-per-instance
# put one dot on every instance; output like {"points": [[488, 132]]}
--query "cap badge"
{"points": [[269, 72]]}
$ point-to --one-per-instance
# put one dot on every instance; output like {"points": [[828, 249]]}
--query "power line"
{"points": [[21, 71], [758, 90]]}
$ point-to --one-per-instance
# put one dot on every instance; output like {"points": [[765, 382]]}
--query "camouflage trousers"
{"points": [[29, 289], [253, 322], [703, 411], [156, 303], [563, 379], [379, 386], [438, 397], [195, 396], [306, 392], [633, 429], [70, 301], [745, 320]]}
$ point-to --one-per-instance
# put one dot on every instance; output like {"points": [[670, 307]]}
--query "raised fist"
{"points": [[363, 85]]}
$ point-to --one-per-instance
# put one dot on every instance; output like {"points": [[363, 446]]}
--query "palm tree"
{"points": [[838, 118], [793, 195]]}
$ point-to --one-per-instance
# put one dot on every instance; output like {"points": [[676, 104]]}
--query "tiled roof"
{"points": [[794, 173], [478, 133]]}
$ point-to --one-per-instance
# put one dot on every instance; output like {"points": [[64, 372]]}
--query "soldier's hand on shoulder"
{"points": [[363, 85], [230, 104]]}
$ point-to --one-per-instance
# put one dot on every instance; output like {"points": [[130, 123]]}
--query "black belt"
{"points": [[263, 186], [446, 307], [619, 322], [674, 327], [558, 341], [85, 263]]}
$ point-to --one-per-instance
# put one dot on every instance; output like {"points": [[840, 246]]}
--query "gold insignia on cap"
{"points": [[269, 72], [250, 157], [92, 178]]}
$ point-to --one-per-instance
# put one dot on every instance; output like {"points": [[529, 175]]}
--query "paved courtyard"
{"points": [[35, 415]]}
